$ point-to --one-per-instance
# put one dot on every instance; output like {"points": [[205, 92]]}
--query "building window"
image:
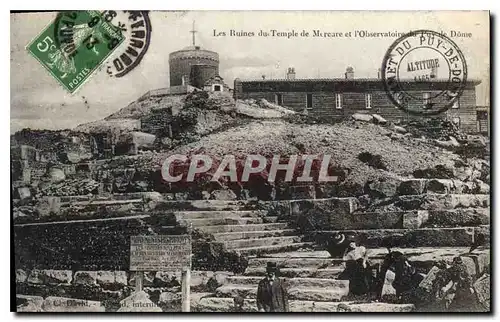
{"points": [[368, 100], [427, 100], [338, 101], [216, 88], [279, 99], [309, 101], [482, 121], [456, 104]]}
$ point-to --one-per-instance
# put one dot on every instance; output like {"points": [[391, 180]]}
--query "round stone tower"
{"points": [[182, 61]]}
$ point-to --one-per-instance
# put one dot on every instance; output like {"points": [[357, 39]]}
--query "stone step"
{"points": [[219, 304], [86, 198], [295, 262], [223, 221], [458, 217], [267, 241], [261, 250], [242, 228], [209, 214], [312, 272], [253, 234], [411, 219], [204, 205], [294, 293], [103, 208], [433, 201], [423, 237], [291, 282], [420, 186], [423, 258]]}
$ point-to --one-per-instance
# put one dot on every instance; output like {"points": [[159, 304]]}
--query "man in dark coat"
{"points": [[271, 293]]}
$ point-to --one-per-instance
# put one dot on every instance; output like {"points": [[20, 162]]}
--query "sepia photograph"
{"points": [[250, 161]]}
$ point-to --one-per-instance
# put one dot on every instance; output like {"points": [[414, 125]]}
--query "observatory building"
{"points": [[196, 67]]}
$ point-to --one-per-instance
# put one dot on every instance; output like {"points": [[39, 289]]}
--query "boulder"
{"points": [[440, 171], [399, 129], [362, 117], [415, 219], [21, 276], [469, 265], [383, 187], [49, 276], [170, 301], [138, 302], [49, 205], [454, 142], [377, 119], [24, 193], [62, 304], [55, 175], [169, 279], [28, 303], [223, 195], [481, 187], [77, 157], [412, 187], [200, 278], [482, 288], [112, 279], [440, 186], [373, 160], [87, 278], [445, 144], [396, 136]]}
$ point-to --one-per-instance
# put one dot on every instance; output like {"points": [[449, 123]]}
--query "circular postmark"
{"points": [[74, 29], [136, 28], [424, 72]]}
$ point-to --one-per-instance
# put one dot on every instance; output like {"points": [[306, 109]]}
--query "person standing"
{"points": [[355, 259], [272, 295]]}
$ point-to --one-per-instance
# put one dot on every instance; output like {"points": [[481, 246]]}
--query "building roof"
{"points": [[193, 48], [361, 80]]}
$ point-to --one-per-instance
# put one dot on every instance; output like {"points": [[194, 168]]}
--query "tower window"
{"points": [[217, 88], [338, 101], [368, 100], [309, 100]]}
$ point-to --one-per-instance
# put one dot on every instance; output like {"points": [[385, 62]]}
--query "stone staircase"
{"points": [[246, 232], [431, 226], [434, 220]]}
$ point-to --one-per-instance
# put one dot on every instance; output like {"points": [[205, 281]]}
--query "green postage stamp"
{"points": [[74, 45]]}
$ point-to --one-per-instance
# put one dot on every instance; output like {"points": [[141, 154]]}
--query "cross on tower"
{"points": [[193, 32]]}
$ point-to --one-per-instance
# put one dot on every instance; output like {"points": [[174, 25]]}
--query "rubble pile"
{"points": [[433, 128]]}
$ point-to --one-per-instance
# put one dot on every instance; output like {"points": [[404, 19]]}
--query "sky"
{"points": [[38, 101]]}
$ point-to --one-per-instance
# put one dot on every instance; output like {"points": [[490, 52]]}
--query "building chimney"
{"points": [[291, 73], [349, 73], [379, 74]]}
